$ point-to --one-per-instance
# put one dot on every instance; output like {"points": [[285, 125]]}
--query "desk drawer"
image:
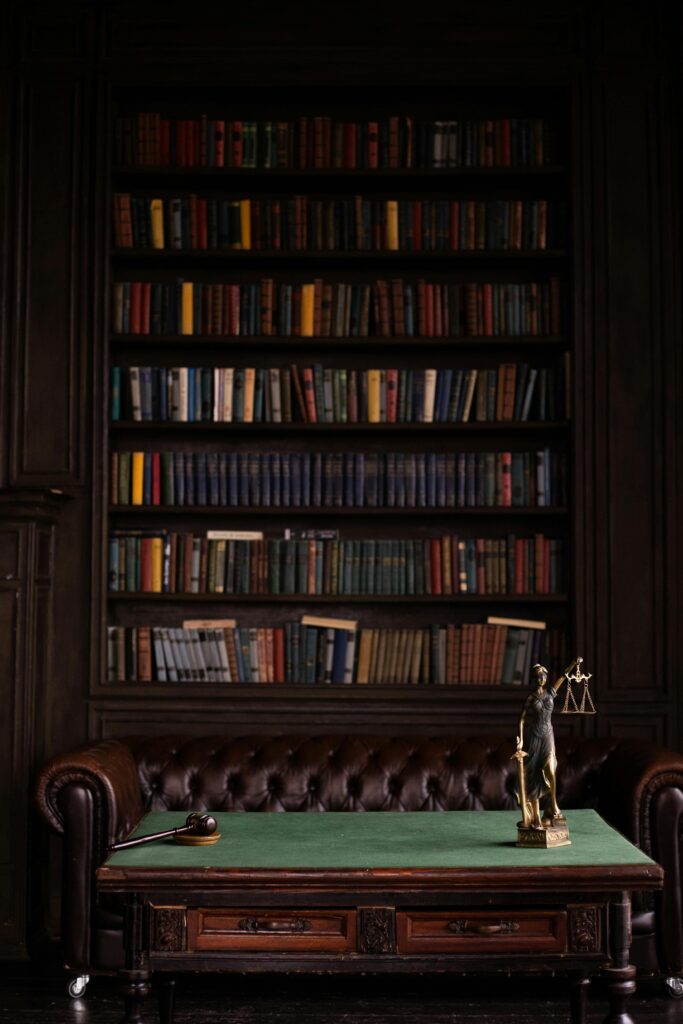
{"points": [[321, 931], [481, 931]]}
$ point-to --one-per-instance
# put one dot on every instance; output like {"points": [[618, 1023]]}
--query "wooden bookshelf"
{"points": [[126, 609]]}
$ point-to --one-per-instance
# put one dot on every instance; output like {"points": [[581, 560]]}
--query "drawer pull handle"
{"points": [[295, 926], [464, 927]]}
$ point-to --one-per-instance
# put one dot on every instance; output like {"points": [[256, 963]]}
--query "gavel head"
{"points": [[201, 824]]}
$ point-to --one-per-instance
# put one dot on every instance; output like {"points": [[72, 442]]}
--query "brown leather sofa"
{"points": [[96, 794]]}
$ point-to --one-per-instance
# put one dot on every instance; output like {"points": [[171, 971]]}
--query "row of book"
{"points": [[317, 394], [338, 309], [352, 224], [148, 139], [338, 479], [319, 650], [318, 562]]}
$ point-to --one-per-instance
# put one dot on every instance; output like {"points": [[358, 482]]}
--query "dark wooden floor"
{"points": [[28, 996]]}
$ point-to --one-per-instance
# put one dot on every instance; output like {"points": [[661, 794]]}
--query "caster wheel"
{"points": [[77, 986], [674, 987]]}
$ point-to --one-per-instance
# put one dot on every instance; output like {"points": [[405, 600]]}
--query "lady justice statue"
{"points": [[537, 765]]}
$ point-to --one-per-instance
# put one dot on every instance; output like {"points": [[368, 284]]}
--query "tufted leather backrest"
{"points": [[351, 773]]}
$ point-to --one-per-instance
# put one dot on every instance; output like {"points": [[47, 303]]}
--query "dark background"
{"points": [[617, 66]]}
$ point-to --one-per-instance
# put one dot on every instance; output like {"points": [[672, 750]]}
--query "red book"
{"points": [[349, 151], [505, 143], [279, 654], [455, 224], [309, 394], [235, 309], [546, 565], [145, 304], [303, 142], [506, 479], [438, 320], [136, 307], [299, 393], [394, 155], [488, 310], [429, 310], [156, 478], [392, 394], [165, 142], [146, 565], [219, 143], [435, 565], [373, 145], [539, 564], [203, 140], [236, 144], [190, 144]]}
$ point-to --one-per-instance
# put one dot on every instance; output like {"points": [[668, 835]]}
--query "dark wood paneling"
{"points": [[50, 400]]}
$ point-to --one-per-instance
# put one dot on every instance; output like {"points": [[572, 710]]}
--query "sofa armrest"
{"points": [[92, 797], [107, 770], [641, 794]]}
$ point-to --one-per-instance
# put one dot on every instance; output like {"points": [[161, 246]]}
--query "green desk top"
{"points": [[385, 839]]}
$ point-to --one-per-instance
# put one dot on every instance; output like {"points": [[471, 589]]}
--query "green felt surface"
{"points": [[385, 839]]}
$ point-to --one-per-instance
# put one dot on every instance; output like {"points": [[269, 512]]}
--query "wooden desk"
{"points": [[380, 892]]}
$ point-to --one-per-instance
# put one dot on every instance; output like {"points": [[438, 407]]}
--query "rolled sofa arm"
{"points": [[641, 794], [92, 797]]}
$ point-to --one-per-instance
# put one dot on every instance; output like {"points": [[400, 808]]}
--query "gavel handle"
{"points": [[127, 843]]}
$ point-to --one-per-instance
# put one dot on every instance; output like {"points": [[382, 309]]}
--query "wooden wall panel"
{"points": [[12, 741], [49, 400]]}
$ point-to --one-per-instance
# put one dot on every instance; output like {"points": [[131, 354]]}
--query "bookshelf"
{"points": [[502, 203]]}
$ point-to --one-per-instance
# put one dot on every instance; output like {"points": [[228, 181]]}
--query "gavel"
{"points": [[197, 824]]}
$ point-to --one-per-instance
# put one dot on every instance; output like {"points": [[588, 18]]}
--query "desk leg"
{"points": [[135, 975], [166, 999], [620, 975], [579, 996]]}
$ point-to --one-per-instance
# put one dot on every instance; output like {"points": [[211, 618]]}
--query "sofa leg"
{"points": [[674, 987], [76, 986]]}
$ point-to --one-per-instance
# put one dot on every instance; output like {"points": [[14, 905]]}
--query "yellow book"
{"points": [[392, 224], [138, 469], [157, 560], [245, 223], [249, 381], [374, 378], [187, 307], [156, 208], [307, 306]]}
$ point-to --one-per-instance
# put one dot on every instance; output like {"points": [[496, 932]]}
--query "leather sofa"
{"points": [[96, 794]]}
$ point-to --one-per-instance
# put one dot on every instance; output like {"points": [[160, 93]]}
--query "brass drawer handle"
{"points": [[287, 927], [463, 927]]}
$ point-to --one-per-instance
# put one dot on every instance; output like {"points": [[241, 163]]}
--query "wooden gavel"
{"points": [[197, 824]]}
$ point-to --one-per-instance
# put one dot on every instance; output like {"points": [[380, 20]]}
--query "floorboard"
{"points": [[29, 996]]}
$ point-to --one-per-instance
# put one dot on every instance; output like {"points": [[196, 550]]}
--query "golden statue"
{"points": [[537, 765]]}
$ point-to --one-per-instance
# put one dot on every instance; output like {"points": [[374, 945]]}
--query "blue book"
{"points": [[190, 498], [471, 480], [418, 392], [341, 639], [348, 479], [146, 392], [275, 472], [164, 380], [266, 480], [445, 397], [223, 479], [191, 395], [294, 460], [420, 480], [204, 399], [316, 483], [306, 479], [471, 565], [212, 478], [440, 481], [116, 393], [259, 391], [253, 469], [285, 483], [233, 479], [450, 475], [243, 478], [147, 479], [238, 395], [179, 477], [431, 480], [359, 479], [390, 470], [201, 478], [114, 581]]}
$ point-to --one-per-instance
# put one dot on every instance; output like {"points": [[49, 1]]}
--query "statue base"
{"points": [[555, 833]]}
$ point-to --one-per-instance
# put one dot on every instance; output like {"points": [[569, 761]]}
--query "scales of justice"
{"points": [[537, 764]]}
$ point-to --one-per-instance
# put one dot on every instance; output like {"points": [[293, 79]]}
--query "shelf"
{"points": [[248, 173], [340, 598], [436, 428], [281, 341], [296, 510], [244, 256], [424, 692]]}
